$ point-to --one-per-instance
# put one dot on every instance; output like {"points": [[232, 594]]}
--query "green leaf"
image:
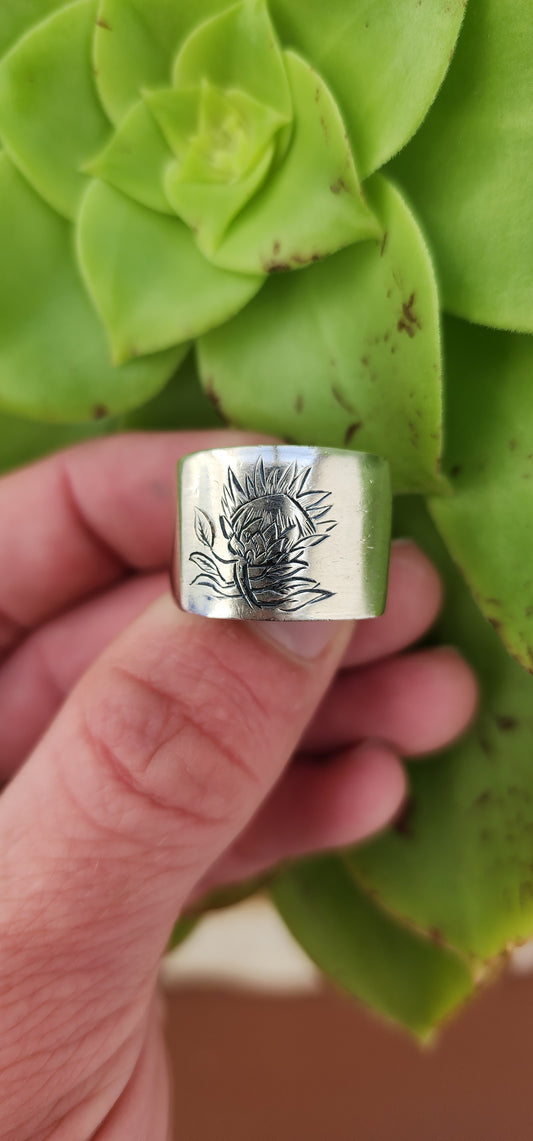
{"points": [[401, 975], [218, 900], [182, 929], [217, 136], [469, 171], [136, 43], [150, 283], [346, 352], [459, 862], [383, 61], [227, 146], [223, 119], [23, 441], [237, 49], [312, 205], [182, 404], [17, 16], [135, 160], [50, 118], [486, 523], [54, 360]]}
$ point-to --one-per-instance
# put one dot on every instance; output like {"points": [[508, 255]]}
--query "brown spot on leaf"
{"points": [[341, 399], [384, 241], [104, 24], [436, 935], [214, 398], [338, 186], [301, 259], [276, 248], [100, 411], [512, 445], [299, 403], [514, 790], [483, 799], [277, 267], [506, 724], [351, 430], [456, 470], [409, 322], [485, 745]]}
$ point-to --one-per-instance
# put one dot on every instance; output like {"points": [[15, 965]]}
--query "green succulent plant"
{"points": [[320, 217]]}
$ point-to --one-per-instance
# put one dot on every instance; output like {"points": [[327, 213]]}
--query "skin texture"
{"points": [[150, 755]]}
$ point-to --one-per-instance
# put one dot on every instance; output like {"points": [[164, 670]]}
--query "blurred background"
{"points": [[261, 1049]]}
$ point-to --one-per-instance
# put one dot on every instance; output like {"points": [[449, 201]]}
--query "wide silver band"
{"points": [[283, 533]]}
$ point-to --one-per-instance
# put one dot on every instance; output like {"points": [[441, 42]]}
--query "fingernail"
{"points": [[306, 640]]}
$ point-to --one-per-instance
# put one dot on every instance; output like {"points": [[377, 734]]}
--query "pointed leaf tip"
{"points": [[204, 528]]}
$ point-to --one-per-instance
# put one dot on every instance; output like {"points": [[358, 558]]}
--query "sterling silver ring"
{"points": [[283, 533]]}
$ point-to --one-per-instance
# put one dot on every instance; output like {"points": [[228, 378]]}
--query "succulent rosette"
{"points": [[324, 214]]}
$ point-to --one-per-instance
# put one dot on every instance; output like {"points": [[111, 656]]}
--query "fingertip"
{"points": [[319, 807], [417, 703], [414, 601], [407, 556], [372, 791], [438, 699], [415, 589], [456, 692]]}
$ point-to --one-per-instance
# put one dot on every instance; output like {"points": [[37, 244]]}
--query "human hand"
{"points": [[148, 758]]}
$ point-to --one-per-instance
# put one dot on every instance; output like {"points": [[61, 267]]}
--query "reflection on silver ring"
{"points": [[283, 532]]}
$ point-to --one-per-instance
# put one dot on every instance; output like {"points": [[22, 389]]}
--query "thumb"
{"points": [[156, 763]]}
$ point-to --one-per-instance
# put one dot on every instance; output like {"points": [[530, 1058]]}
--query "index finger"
{"points": [[83, 519]]}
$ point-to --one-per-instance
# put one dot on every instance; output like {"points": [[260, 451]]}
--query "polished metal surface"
{"points": [[281, 533]]}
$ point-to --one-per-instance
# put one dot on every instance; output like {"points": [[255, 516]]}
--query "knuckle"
{"points": [[178, 748]]}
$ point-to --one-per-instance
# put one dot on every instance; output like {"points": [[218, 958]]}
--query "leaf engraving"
{"points": [[204, 562], [204, 528]]}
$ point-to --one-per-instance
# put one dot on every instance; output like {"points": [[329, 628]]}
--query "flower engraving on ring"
{"points": [[269, 521]]}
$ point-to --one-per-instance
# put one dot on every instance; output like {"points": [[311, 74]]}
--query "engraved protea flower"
{"points": [[269, 520]]}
